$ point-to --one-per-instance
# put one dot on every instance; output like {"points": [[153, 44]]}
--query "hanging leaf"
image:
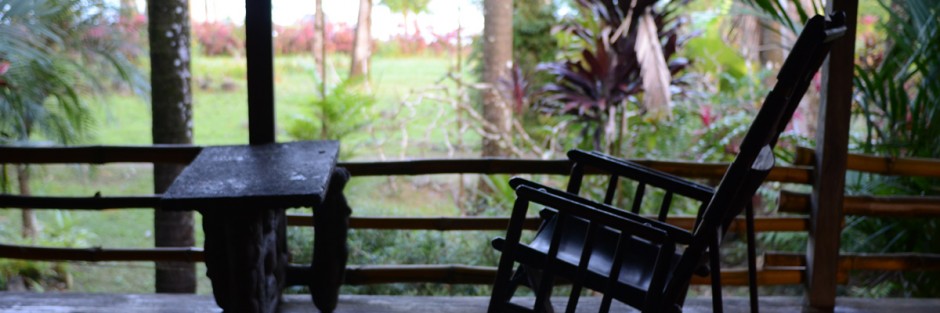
{"points": [[653, 69]]}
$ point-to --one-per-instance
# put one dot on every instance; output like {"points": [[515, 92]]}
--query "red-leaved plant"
{"points": [[607, 72]]}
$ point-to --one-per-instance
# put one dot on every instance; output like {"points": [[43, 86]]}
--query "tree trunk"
{"points": [[29, 219], [172, 124], [128, 9], [362, 46], [319, 45], [497, 56]]}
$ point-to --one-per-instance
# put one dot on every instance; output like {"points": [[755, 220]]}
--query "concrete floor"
{"points": [[162, 303]]}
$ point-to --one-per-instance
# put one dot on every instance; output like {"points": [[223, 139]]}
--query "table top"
{"points": [[278, 175]]}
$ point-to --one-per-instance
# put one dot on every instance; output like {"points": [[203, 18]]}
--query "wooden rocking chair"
{"points": [[647, 263]]}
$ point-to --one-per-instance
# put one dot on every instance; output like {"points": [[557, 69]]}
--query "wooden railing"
{"points": [[876, 206], [778, 268]]}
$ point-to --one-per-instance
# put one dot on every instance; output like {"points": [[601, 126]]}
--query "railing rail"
{"points": [[779, 268], [185, 153], [161, 153]]}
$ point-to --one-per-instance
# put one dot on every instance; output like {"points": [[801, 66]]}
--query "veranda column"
{"points": [[832, 140], [259, 47]]}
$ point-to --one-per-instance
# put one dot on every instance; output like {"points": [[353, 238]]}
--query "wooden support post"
{"points": [[832, 136], [259, 46]]}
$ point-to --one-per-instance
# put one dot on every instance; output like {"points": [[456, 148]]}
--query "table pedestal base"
{"points": [[329, 245], [246, 256]]}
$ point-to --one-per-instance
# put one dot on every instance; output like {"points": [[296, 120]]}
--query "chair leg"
{"points": [[519, 277], [535, 281], [751, 257], [715, 264], [530, 277]]}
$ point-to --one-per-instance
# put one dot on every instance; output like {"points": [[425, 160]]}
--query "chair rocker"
{"points": [[642, 262]]}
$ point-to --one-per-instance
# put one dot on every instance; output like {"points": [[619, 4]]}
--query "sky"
{"points": [[443, 15]]}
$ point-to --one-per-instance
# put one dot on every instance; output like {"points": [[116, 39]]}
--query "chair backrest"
{"points": [[755, 160]]}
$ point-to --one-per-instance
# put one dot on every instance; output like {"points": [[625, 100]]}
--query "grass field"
{"points": [[220, 117]]}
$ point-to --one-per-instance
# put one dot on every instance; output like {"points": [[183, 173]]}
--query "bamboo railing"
{"points": [[885, 206], [866, 205], [777, 268], [879, 164]]}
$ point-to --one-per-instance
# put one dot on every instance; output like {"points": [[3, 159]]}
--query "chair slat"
{"points": [[611, 189], [614, 273], [664, 208], [638, 197], [580, 275], [544, 292]]}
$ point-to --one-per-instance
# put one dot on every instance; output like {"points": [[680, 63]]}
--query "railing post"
{"points": [[822, 252], [259, 47]]}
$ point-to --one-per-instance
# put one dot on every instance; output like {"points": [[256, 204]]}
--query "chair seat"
{"points": [[636, 268]]}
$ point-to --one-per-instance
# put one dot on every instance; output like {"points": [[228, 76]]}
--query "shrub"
{"points": [[343, 111], [219, 38], [299, 38]]}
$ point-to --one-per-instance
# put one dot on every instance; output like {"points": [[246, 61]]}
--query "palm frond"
{"points": [[53, 63]]}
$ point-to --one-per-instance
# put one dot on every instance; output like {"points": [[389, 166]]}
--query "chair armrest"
{"points": [[678, 234], [643, 174], [569, 205]]}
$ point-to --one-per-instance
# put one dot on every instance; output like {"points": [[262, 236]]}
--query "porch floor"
{"points": [[108, 303]]}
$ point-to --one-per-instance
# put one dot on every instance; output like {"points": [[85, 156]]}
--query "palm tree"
{"points": [[497, 54], [172, 123], [362, 46], [51, 51]]}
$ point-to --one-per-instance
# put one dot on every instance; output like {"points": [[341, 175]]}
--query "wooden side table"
{"points": [[242, 193]]}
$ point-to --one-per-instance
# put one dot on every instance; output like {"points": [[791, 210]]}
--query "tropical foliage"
{"points": [[344, 110], [533, 42], [51, 51], [608, 72], [777, 10], [896, 95], [897, 85]]}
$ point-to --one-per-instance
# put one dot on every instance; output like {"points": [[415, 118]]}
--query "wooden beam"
{"points": [[79, 203], [761, 224], [184, 154], [97, 254], [864, 261], [163, 153], [420, 223], [884, 165], [466, 274], [455, 166], [259, 47], [765, 277], [789, 174], [832, 141], [419, 273], [886, 206]]}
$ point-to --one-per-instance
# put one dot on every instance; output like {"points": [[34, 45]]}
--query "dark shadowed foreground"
{"points": [[166, 303]]}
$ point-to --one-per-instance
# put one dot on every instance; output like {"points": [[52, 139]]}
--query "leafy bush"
{"points": [[897, 90], [299, 38], [42, 276], [605, 72], [533, 42], [50, 54], [220, 38], [343, 111], [443, 43]]}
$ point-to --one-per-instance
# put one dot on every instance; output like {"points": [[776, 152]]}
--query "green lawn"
{"points": [[220, 117]]}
